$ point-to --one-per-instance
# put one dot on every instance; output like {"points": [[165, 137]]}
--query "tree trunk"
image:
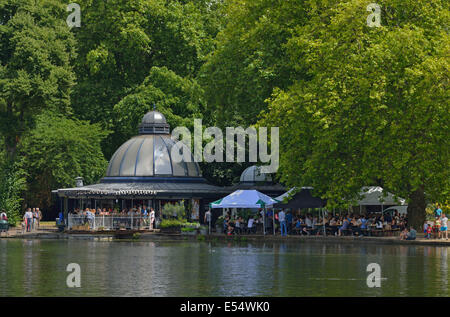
{"points": [[416, 209]]}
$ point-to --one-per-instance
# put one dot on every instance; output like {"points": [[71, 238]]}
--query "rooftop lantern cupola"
{"points": [[154, 122]]}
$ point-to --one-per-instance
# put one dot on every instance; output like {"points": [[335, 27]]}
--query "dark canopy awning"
{"points": [[303, 199]]}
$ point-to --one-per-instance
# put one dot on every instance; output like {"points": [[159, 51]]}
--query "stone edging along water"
{"points": [[235, 238]]}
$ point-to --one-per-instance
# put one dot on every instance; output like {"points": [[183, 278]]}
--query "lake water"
{"points": [[188, 268]]}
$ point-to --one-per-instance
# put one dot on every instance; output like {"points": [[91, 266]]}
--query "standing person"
{"points": [[282, 220], [33, 211], [152, 218], [144, 213], [437, 225], [444, 221], [208, 220], [438, 211], [61, 217], [237, 225], [289, 222], [35, 218], [28, 218], [3, 215], [39, 217], [250, 226], [90, 217], [269, 221]]}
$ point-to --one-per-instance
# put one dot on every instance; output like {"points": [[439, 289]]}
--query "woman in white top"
{"points": [[152, 218]]}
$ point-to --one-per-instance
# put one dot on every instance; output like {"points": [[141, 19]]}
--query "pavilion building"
{"points": [[142, 172]]}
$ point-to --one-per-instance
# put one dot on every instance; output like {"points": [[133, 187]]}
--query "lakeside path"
{"points": [[52, 233]]}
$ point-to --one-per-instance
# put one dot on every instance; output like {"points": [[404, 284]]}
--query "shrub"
{"points": [[168, 223], [12, 184], [201, 238], [188, 229], [174, 210]]}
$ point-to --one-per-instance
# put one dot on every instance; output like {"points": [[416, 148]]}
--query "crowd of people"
{"points": [[143, 216], [437, 228], [338, 225], [31, 219]]}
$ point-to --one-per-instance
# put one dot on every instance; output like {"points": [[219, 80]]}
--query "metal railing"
{"points": [[110, 222]]}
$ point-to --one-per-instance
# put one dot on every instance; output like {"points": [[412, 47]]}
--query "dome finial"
{"points": [[154, 122]]}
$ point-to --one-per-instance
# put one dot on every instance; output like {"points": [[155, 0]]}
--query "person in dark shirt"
{"points": [[289, 222]]}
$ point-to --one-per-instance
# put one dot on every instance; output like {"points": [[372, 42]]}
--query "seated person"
{"points": [[379, 223], [394, 224], [298, 225], [344, 226], [309, 225], [412, 234], [333, 225]]}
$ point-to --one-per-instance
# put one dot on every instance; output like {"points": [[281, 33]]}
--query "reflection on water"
{"points": [[38, 268]]}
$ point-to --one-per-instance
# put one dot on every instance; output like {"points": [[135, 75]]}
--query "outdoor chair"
{"points": [[347, 232], [296, 231]]}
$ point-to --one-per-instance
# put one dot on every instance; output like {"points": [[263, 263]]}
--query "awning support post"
{"points": [[264, 221]]}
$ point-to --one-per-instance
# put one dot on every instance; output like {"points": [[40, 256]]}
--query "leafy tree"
{"points": [[375, 109], [57, 151], [178, 98], [121, 40], [36, 51], [250, 59], [12, 185]]}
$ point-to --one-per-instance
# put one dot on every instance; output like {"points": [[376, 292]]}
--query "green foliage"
{"points": [[175, 210], [121, 41], [250, 59], [220, 220], [201, 237], [188, 229], [168, 223], [374, 109], [178, 98], [12, 185], [36, 51], [183, 223], [245, 214], [56, 151]]}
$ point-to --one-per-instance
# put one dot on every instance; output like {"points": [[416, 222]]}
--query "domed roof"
{"points": [[149, 154], [253, 174]]}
